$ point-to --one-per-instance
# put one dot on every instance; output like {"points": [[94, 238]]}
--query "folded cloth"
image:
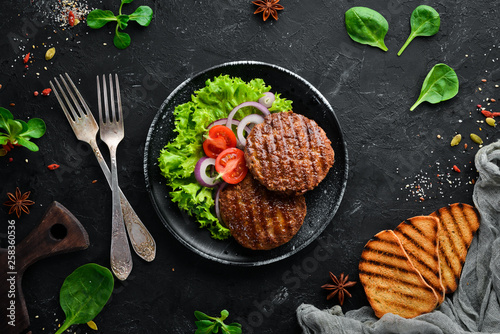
{"points": [[473, 308]]}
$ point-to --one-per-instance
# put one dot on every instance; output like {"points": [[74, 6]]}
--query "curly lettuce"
{"points": [[178, 158]]}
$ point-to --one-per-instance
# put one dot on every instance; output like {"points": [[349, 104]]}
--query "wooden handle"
{"points": [[59, 232]]}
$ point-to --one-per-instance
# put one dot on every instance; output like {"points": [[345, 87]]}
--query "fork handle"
{"points": [[142, 242], [121, 259]]}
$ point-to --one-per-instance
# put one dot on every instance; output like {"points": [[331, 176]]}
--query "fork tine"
{"points": [[112, 116], [99, 104], [68, 103], [80, 97], [75, 102], [106, 109], [119, 100], [63, 106]]}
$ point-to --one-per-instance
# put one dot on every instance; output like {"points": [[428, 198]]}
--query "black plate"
{"points": [[322, 202]]}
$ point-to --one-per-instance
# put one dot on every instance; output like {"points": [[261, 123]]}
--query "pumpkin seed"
{"points": [[92, 325], [491, 121], [476, 139], [456, 140], [50, 53]]}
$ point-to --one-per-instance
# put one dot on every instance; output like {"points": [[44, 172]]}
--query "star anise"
{"points": [[19, 203], [339, 287], [268, 7]]}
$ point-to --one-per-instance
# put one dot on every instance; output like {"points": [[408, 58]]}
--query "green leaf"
{"points": [[121, 39], [36, 128], [98, 18], [27, 143], [424, 21], [440, 84], [366, 26], [16, 127], [127, 1], [4, 139], [122, 21], [5, 115], [205, 324], [201, 316], [142, 15], [84, 293]]}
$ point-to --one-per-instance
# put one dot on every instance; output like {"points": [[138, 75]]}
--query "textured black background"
{"points": [[391, 150]]}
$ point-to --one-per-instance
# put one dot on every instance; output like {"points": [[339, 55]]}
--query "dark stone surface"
{"points": [[392, 151]]}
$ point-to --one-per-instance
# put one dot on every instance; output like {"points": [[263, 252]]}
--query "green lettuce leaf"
{"points": [[178, 158]]}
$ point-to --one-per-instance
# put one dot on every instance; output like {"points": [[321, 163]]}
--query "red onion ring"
{"points": [[200, 172], [253, 118], [267, 100], [257, 105]]}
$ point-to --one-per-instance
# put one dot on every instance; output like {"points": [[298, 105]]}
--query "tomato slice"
{"points": [[220, 137], [214, 146], [231, 164]]}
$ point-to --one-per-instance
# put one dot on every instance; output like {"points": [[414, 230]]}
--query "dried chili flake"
{"points": [[53, 166], [35, 93], [456, 169], [11, 159], [46, 91], [27, 57], [479, 106], [71, 18]]}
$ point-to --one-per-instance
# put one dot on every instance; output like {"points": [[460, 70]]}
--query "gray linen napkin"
{"points": [[473, 308]]}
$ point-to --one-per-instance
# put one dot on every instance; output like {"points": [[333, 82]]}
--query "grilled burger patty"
{"points": [[288, 153], [260, 219]]}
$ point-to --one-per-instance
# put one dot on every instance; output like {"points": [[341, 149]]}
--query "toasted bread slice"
{"points": [[458, 223], [419, 237], [391, 283]]}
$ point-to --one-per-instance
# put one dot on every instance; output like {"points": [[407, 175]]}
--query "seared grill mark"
{"points": [[259, 218], [288, 153]]}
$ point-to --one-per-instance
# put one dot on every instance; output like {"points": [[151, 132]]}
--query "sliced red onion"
{"points": [[253, 118], [200, 172], [267, 100], [223, 121], [217, 208], [257, 105]]}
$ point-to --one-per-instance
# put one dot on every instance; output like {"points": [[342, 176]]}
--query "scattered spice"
{"points": [[53, 166], [35, 93], [94, 181], [11, 159], [339, 287], [456, 169], [46, 91], [493, 100], [19, 202], [268, 7], [50, 53], [0, 86], [27, 57]]}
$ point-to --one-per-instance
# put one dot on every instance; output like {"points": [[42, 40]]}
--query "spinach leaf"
{"points": [[207, 324], [84, 293], [366, 26], [99, 18], [142, 15], [424, 21], [121, 39], [440, 84], [18, 132]]}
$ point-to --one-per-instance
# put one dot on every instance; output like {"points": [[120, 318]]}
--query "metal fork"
{"points": [[85, 128], [112, 133]]}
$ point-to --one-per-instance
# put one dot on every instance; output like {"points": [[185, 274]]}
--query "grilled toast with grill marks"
{"points": [[458, 223], [419, 237], [391, 282]]}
